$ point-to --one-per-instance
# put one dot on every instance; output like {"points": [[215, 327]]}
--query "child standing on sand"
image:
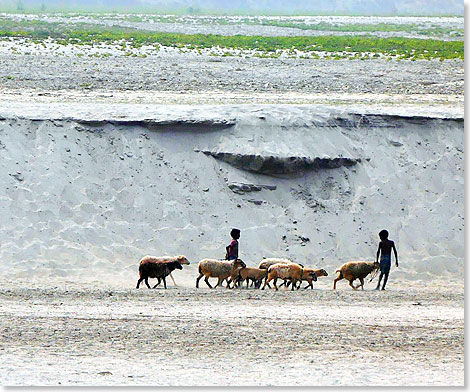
{"points": [[232, 248], [385, 248]]}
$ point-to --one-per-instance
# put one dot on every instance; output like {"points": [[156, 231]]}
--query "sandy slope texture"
{"points": [[86, 193]]}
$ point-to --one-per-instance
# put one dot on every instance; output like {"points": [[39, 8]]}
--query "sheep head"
{"points": [[313, 276], [178, 265], [324, 272], [182, 260], [239, 263]]}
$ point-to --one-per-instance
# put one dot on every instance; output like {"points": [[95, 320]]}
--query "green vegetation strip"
{"points": [[401, 47]]}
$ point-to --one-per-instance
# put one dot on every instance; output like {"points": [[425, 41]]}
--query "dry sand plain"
{"points": [[72, 334]]}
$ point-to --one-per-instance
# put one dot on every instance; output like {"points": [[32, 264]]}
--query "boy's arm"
{"points": [[378, 253], [227, 252], [396, 254]]}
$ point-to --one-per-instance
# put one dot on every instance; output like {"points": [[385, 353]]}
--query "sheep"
{"points": [[148, 268], [256, 275], [268, 262], [222, 270], [318, 273], [356, 270], [165, 259], [292, 272]]}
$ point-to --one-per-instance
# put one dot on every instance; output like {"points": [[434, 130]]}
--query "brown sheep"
{"points": [[219, 269], [318, 273], [356, 270], [292, 272], [269, 261], [150, 269], [256, 275], [165, 259]]}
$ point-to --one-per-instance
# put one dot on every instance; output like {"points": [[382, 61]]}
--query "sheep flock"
{"points": [[235, 272]]}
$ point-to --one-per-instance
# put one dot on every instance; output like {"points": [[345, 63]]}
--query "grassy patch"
{"points": [[403, 48]]}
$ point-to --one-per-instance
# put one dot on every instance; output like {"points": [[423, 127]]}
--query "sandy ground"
{"points": [[169, 71], [72, 334]]}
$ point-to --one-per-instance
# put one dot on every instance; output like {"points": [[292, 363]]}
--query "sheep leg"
{"points": [[138, 282], [274, 283], [362, 283], [206, 279], [294, 284], [334, 283], [351, 284], [309, 285], [164, 282], [147, 282], [266, 282], [173, 279], [159, 281], [198, 279], [228, 283], [247, 283], [218, 282]]}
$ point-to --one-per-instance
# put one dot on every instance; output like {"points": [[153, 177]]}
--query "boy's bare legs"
{"points": [[380, 278], [385, 281]]}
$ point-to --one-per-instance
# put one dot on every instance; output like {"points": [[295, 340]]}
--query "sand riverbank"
{"points": [[72, 334]]}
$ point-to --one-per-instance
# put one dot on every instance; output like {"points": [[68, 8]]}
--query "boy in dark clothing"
{"points": [[232, 248], [385, 247]]}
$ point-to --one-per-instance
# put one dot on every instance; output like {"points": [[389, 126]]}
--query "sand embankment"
{"points": [[90, 190]]}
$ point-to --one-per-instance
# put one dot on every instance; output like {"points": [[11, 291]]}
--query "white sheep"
{"points": [[268, 262], [222, 270]]}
